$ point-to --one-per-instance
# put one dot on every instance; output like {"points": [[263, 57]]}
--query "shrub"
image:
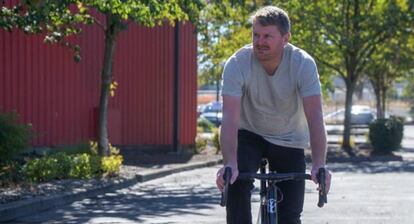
{"points": [[111, 164], [386, 135], [96, 165], [62, 165], [42, 169], [200, 129], [94, 148], [216, 140], [10, 173], [201, 144], [205, 125], [14, 137], [81, 167]]}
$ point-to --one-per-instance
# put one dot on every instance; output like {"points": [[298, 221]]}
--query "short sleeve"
{"points": [[309, 84], [232, 78]]}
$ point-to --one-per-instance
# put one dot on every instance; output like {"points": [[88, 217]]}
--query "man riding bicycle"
{"points": [[272, 108]]}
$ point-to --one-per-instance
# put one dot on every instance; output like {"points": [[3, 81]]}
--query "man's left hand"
{"points": [[328, 177]]}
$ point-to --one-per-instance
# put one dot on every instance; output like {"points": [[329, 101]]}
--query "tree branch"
{"points": [[99, 23], [333, 67]]}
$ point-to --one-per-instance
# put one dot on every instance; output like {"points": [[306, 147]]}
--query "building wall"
{"points": [[60, 98]]}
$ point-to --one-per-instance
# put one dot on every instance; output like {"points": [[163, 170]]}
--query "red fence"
{"points": [[60, 97]]}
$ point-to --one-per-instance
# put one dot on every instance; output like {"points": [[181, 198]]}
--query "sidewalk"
{"points": [[143, 167]]}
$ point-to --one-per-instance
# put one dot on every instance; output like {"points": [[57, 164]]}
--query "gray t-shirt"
{"points": [[272, 106]]}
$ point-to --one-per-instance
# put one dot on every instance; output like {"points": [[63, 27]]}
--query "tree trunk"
{"points": [[359, 90], [384, 100], [347, 122], [218, 78], [110, 37], [377, 91]]}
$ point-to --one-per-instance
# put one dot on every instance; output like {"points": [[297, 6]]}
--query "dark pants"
{"points": [[251, 149]]}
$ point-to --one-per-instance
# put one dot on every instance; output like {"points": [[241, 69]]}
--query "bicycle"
{"points": [[268, 212]]}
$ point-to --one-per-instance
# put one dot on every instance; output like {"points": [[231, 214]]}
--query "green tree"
{"points": [[408, 93], [225, 27], [344, 35], [392, 61], [59, 19]]}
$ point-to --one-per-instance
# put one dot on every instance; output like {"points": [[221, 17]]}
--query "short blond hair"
{"points": [[272, 15]]}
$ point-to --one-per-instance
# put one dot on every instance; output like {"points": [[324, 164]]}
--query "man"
{"points": [[272, 106]]}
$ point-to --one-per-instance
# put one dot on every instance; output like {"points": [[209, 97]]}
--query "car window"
{"points": [[213, 108]]}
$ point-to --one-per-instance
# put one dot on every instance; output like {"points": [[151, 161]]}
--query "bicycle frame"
{"points": [[268, 199], [263, 192]]}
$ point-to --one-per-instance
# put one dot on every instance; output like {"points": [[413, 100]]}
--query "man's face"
{"points": [[268, 43]]}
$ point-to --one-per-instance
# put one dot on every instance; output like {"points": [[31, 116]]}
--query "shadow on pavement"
{"points": [[373, 167], [129, 206]]}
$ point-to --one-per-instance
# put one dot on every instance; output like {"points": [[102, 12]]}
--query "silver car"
{"points": [[360, 115]]}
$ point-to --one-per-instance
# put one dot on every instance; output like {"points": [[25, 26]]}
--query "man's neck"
{"points": [[271, 65]]}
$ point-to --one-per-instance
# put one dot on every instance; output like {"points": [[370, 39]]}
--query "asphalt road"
{"points": [[367, 193]]}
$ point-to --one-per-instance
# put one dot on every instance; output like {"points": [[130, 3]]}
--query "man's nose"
{"points": [[259, 40]]}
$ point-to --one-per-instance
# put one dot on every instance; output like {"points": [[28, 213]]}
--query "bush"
{"points": [[64, 165], [14, 137], [386, 135], [42, 169], [201, 144], [79, 166], [10, 173], [216, 140], [111, 164], [206, 126]]}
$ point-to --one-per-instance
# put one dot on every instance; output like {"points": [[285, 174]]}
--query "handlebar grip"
{"points": [[322, 184], [226, 177]]}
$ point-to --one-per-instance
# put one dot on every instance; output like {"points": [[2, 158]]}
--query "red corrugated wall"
{"points": [[60, 97]]}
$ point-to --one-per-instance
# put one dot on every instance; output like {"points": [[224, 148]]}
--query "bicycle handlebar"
{"points": [[276, 177], [323, 199], [226, 176]]}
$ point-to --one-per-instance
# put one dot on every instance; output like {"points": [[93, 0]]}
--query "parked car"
{"points": [[200, 109], [213, 112], [360, 115]]}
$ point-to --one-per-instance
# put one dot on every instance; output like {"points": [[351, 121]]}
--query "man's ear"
{"points": [[286, 38]]}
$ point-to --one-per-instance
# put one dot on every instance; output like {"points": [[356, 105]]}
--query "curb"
{"points": [[13, 210]]}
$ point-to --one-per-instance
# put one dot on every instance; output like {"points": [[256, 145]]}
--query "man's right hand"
{"points": [[220, 174]]}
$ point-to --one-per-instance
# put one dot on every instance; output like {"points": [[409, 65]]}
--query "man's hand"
{"points": [[220, 179], [314, 174]]}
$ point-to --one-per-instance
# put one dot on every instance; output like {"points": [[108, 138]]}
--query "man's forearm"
{"points": [[318, 143], [229, 130], [228, 141], [313, 111]]}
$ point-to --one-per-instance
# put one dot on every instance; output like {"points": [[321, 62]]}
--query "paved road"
{"points": [[368, 193]]}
